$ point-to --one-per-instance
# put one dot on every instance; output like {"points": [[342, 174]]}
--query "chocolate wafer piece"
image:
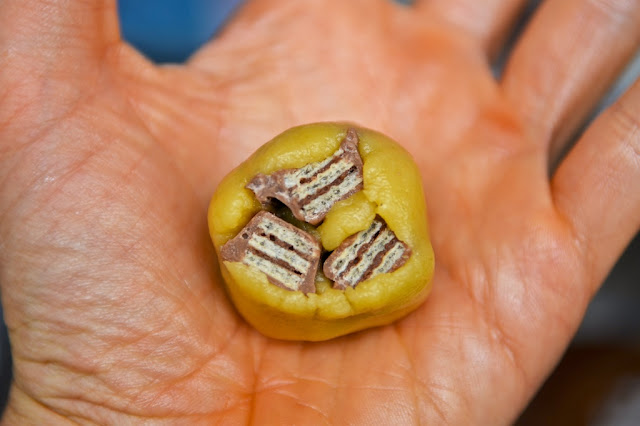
{"points": [[312, 190], [288, 256], [376, 250]]}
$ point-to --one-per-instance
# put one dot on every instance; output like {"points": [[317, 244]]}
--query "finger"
{"points": [[488, 21], [567, 58], [57, 33], [597, 187], [268, 27]]}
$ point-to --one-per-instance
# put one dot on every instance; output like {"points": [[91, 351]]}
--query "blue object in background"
{"points": [[172, 30]]}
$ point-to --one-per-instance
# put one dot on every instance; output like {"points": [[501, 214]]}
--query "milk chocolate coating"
{"points": [[312, 190], [288, 256], [376, 250]]}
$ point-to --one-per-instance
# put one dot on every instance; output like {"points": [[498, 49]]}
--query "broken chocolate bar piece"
{"points": [[376, 250], [312, 190], [287, 255]]}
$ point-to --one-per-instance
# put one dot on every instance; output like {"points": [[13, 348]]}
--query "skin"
{"points": [[114, 304]]}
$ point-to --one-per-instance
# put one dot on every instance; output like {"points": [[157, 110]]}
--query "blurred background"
{"points": [[598, 380]]}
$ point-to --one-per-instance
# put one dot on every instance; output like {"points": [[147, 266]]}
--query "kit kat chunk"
{"points": [[312, 190], [288, 256], [376, 250]]}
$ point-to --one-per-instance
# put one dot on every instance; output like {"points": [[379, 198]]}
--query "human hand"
{"points": [[115, 307]]}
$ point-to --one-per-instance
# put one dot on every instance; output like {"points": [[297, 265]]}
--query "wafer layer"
{"points": [[376, 250], [287, 255], [312, 190]]}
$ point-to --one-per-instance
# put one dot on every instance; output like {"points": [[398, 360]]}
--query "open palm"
{"points": [[113, 300]]}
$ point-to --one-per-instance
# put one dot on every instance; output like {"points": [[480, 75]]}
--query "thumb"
{"points": [[47, 35], [51, 56]]}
